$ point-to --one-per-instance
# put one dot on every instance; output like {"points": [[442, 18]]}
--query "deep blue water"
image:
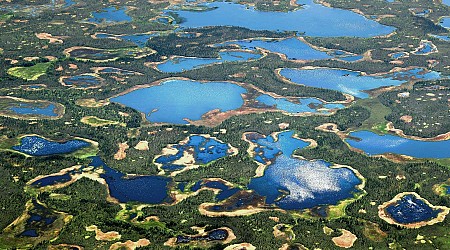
{"points": [[173, 101], [37, 146], [30, 233], [205, 150], [110, 15], [346, 81], [110, 70], [30, 109], [313, 19], [82, 81], [52, 180], [374, 144], [305, 184], [301, 107], [410, 210], [225, 191], [180, 64], [143, 189]]}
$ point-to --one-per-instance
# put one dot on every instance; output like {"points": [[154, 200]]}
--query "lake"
{"points": [[180, 64], [175, 100], [292, 183], [374, 144], [302, 105], [38, 146], [410, 209], [351, 82], [34, 109], [312, 19], [204, 150], [110, 15]]}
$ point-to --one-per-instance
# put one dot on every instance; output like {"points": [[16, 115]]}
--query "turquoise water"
{"points": [[313, 19], [292, 183], [180, 64], [30, 109], [374, 144], [411, 210], [293, 48], [175, 100], [110, 15], [445, 22], [304, 105], [346, 81]]}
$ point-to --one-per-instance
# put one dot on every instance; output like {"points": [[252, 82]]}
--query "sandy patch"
{"points": [[346, 240], [99, 235], [130, 245], [406, 118], [50, 37], [142, 146], [121, 154], [91, 103], [240, 246]]}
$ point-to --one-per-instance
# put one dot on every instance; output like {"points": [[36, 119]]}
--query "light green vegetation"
{"points": [[99, 122], [378, 112], [31, 73]]}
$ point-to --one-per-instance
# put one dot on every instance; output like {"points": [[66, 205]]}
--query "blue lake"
{"points": [[313, 19], [303, 105], [204, 150], [225, 191], [443, 38], [30, 109], [293, 48], [139, 39], [374, 144], [52, 180], [410, 209], [82, 81], [39, 218], [350, 82], [179, 64], [427, 47], [292, 183], [445, 22], [143, 189], [173, 101], [398, 55], [110, 15], [37, 146]]}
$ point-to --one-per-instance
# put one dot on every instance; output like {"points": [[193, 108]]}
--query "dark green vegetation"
{"points": [[427, 104], [86, 200]]}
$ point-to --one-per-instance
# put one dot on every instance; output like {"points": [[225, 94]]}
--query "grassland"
{"points": [[31, 73]]}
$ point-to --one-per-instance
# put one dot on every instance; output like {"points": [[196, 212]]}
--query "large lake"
{"points": [[313, 19], [174, 100], [351, 82], [374, 144], [292, 183]]}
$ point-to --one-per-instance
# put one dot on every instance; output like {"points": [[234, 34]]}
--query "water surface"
{"points": [[374, 144], [110, 15], [180, 64], [313, 20], [410, 209], [173, 101], [38, 146], [34, 109], [303, 105]]}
